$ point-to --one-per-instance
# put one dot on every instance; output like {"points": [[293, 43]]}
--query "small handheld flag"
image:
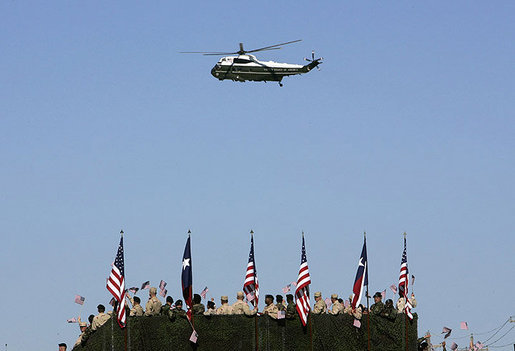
{"points": [[447, 332], [163, 293], [204, 292], [72, 320], [134, 290], [162, 285], [79, 299], [464, 326], [145, 285]]}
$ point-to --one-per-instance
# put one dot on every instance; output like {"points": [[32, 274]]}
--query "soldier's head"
{"points": [[101, 308], [90, 318], [83, 326], [334, 298], [269, 299], [210, 305], [224, 299], [289, 298], [340, 300], [196, 299], [377, 297], [389, 303], [169, 300], [178, 304], [240, 295], [318, 296], [136, 300], [62, 346], [152, 292], [279, 298]]}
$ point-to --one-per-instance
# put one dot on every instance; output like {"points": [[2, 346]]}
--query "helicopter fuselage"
{"points": [[246, 67]]}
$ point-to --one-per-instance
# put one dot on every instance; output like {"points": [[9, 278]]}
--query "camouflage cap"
{"points": [[83, 324], [240, 294], [153, 290], [318, 294], [224, 298], [334, 296]]}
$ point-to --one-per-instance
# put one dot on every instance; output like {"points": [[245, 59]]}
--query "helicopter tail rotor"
{"points": [[313, 62]]}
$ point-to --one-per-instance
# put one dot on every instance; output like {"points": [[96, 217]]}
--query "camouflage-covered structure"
{"points": [[237, 332]]}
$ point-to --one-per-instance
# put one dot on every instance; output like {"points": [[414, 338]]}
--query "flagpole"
{"points": [[368, 299], [256, 330], [122, 305], [406, 301], [310, 321], [192, 320]]}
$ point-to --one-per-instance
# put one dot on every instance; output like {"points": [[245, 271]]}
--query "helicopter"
{"points": [[246, 67]]}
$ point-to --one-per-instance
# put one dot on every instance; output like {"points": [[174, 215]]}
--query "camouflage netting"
{"points": [[238, 333]]}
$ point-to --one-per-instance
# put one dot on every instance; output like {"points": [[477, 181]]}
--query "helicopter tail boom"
{"points": [[313, 62]]}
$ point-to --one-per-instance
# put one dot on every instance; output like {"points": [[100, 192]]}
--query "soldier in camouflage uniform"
{"points": [[165, 309], [153, 306], [337, 307], [320, 306], [280, 305], [225, 308], [177, 311], [241, 307], [270, 309], [389, 312], [378, 305], [198, 307], [291, 309]]}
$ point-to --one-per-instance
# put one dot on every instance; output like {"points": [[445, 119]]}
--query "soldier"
{"points": [[241, 307], [62, 346], [225, 308], [337, 307], [153, 306], [82, 326], [401, 303], [178, 311], [378, 305], [320, 306], [136, 309], [389, 312], [210, 309], [100, 318], [291, 309], [166, 307], [88, 331], [270, 308], [280, 305], [198, 307]]}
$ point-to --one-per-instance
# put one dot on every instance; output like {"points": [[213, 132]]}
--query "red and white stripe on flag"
{"points": [[116, 284], [302, 291]]}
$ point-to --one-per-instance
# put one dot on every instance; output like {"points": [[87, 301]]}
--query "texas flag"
{"points": [[187, 278], [361, 277]]}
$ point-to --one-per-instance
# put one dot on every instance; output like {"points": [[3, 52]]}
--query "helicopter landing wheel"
{"points": [[280, 84]]}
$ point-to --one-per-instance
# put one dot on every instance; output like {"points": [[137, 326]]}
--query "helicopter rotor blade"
{"points": [[276, 45], [207, 53]]}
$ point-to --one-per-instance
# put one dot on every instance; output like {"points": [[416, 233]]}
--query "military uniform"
{"points": [[389, 312], [224, 309], [165, 309], [177, 312], [210, 312], [280, 306], [320, 307], [337, 308], [136, 310], [241, 307], [271, 310], [198, 308], [153, 306], [85, 335], [377, 308], [291, 310], [99, 320], [401, 303]]}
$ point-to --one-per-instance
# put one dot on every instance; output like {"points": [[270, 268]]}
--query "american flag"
{"points": [[79, 299], [187, 278], [361, 279], [145, 285], [403, 281], [116, 283], [251, 284], [303, 282], [203, 293]]}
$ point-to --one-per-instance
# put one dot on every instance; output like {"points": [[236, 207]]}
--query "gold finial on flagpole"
{"points": [[121, 232], [251, 232], [404, 235], [189, 232], [365, 234]]}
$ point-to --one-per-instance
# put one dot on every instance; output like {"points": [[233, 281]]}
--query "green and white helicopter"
{"points": [[246, 67]]}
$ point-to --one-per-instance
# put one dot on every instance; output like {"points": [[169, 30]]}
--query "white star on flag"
{"points": [[185, 263]]}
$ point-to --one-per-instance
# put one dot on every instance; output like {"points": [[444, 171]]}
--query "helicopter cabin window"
{"points": [[241, 60]]}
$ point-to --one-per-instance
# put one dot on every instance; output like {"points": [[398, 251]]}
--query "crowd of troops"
{"points": [[279, 309]]}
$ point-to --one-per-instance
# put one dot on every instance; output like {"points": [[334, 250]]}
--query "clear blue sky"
{"points": [[409, 126]]}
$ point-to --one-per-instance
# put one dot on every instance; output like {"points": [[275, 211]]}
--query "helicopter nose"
{"points": [[214, 73]]}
